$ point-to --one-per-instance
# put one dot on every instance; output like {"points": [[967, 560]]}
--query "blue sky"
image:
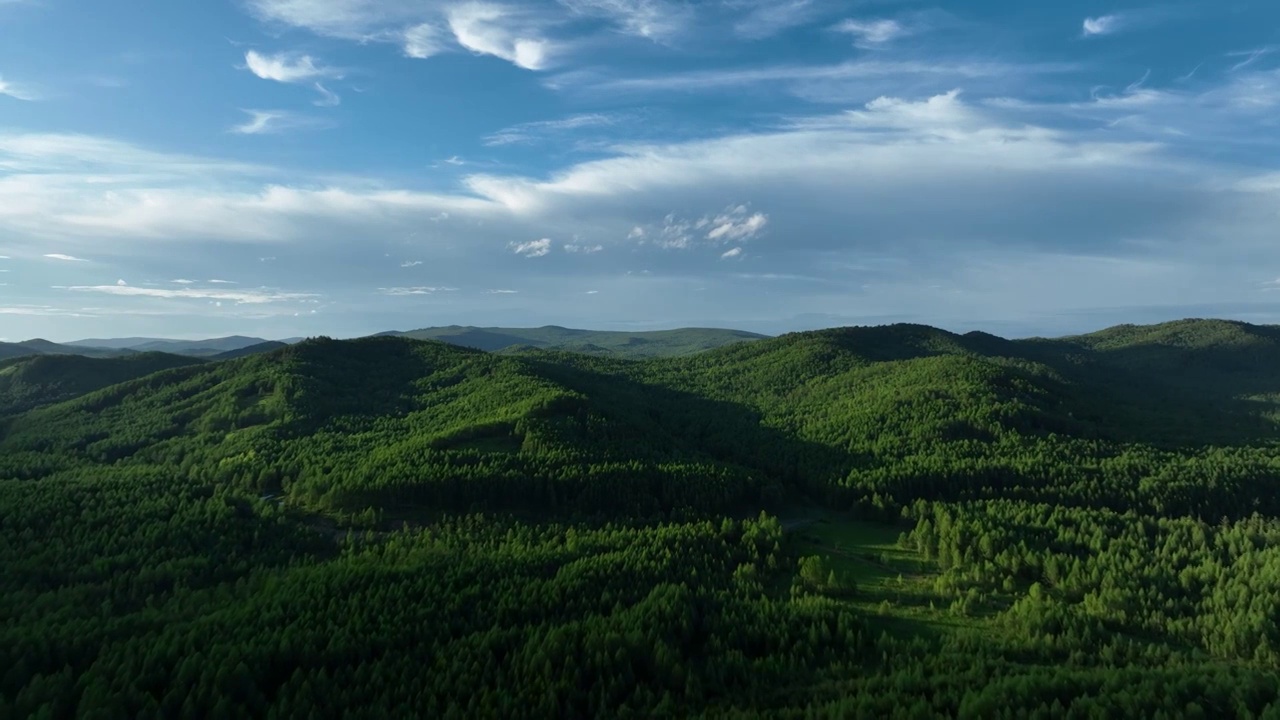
{"points": [[299, 167]]}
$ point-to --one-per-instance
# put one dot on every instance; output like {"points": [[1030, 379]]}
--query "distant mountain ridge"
{"points": [[198, 348], [614, 343]]}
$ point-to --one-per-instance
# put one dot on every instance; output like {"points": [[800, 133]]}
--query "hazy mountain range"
{"points": [[657, 343]]}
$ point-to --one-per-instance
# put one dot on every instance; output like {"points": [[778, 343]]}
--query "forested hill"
{"points": [[855, 522], [34, 381]]}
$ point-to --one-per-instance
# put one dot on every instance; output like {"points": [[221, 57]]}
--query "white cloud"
{"points": [[63, 257], [246, 296], [1101, 25], [503, 292], [183, 281], [410, 263], [362, 20], [421, 290], [814, 81], [533, 248], [424, 40], [940, 184], [287, 67], [1250, 57], [328, 98], [767, 18], [651, 19], [583, 249], [732, 253], [530, 131], [261, 122], [224, 282], [121, 282], [736, 224], [415, 25], [871, 32], [500, 31], [270, 122], [15, 91]]}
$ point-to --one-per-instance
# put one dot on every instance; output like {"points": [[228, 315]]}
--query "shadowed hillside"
{"points": [[35, 381]]}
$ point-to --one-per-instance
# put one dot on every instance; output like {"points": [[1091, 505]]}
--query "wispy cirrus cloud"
{"points": [[425, 40], [268, 122], [15, 91], [64, 257], [328, 98], [819, 83], [531, 131], [651, 19], [246, 296], [287, 67], [1102, 25], [532, 248], [1250, 57], [419, 290], [766, 18], [869, 33]]}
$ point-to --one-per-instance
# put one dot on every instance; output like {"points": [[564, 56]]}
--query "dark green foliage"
{"points": [[39, 380], [393, 528], [254, 349]]}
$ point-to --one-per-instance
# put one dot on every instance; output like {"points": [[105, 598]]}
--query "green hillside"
{"points": [[34, 381], [856, 522], [254, 349], [634, 345]]}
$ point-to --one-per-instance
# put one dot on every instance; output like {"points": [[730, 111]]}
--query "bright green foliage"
{"points": [[863, 522]]}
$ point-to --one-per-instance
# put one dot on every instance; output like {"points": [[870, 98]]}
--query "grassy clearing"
{"points": [[894, 584]]}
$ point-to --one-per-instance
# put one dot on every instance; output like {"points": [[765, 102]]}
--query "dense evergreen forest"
{"points": [[887, 521]]}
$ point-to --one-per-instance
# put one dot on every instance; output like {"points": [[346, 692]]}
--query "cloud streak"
{"points": [[287, 67], [269, 122], [14, 91], [533, 248], [1102, 25], [531, 131], [244, 297], [869, 33]]}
